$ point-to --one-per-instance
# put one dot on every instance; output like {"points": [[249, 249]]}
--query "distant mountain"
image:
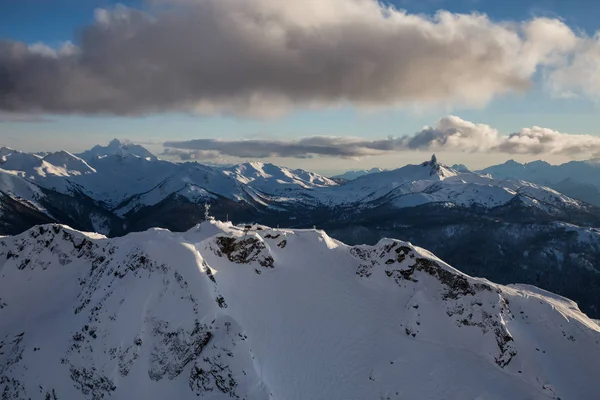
{"points": [[516, 231], [255, 313], [24, 203], [59, 164], [70, 164], [20, 208], [351, 175], [12, 159], [435, 183], [118, 148], [578, 179], [460, 168], [123, 182]]}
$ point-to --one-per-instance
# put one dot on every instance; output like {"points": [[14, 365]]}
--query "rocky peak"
{"points": [[434, 165], [115, 143]]}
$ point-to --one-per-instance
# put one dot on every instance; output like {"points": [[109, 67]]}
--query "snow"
{"points": [[221, 311], [19, 189], [117, 148], [271, 178], [100, 224], [125, 177], [432, 182], [351, 175], [575, 173], [72, 165]]}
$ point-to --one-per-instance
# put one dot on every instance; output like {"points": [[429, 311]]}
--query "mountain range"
{"points": [[256, 313], [124, 180], [578, 179], [507, 230]]}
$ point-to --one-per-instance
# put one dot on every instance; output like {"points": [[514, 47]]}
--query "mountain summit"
{"points": [[434, 164], [117, 147]]}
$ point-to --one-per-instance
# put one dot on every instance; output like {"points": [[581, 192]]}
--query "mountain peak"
{"points": [[437, 168], [119, 148], [434, 160], [8, 150], [513, 163], [460, 168], [69, 162], [538, 163], [115, 143]]}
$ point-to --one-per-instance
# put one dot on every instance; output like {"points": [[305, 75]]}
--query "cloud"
{"points": [[450, 134], [195, 155], [538, 140], [455, 134], [580, 75], [263, 57], [22, 118], [303, 148]]}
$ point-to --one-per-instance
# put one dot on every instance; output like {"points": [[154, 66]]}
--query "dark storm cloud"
{"points": [[303, 148], [263, 57]]}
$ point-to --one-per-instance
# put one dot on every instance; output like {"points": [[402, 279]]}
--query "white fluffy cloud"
{"points": [[579, 74], [455, 134], [267, 56]]}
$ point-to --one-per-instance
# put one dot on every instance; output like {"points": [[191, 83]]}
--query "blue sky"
{"points": [[53, 22]]}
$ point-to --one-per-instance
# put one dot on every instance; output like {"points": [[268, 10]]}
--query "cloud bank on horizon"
{"points": [[450, 134], [265, 57]]}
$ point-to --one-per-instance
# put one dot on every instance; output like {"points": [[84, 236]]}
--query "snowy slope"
{"points": [[271, 178], [57, 171], [33, 166], [258, 183], [11, 159], [21, 190], [70, 164], [121, 177], [220, 312]]}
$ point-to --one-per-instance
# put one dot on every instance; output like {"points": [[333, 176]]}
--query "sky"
{"points": [[322, 85]]}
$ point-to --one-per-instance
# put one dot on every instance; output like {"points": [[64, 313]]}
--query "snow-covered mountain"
{"points": [[579, 179], [460, 168], [433, 205], [117, 148], [258, 313], [433, 182], [20, 206], [124, 178], [24, 204], [59, 164], [351, 175]]}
